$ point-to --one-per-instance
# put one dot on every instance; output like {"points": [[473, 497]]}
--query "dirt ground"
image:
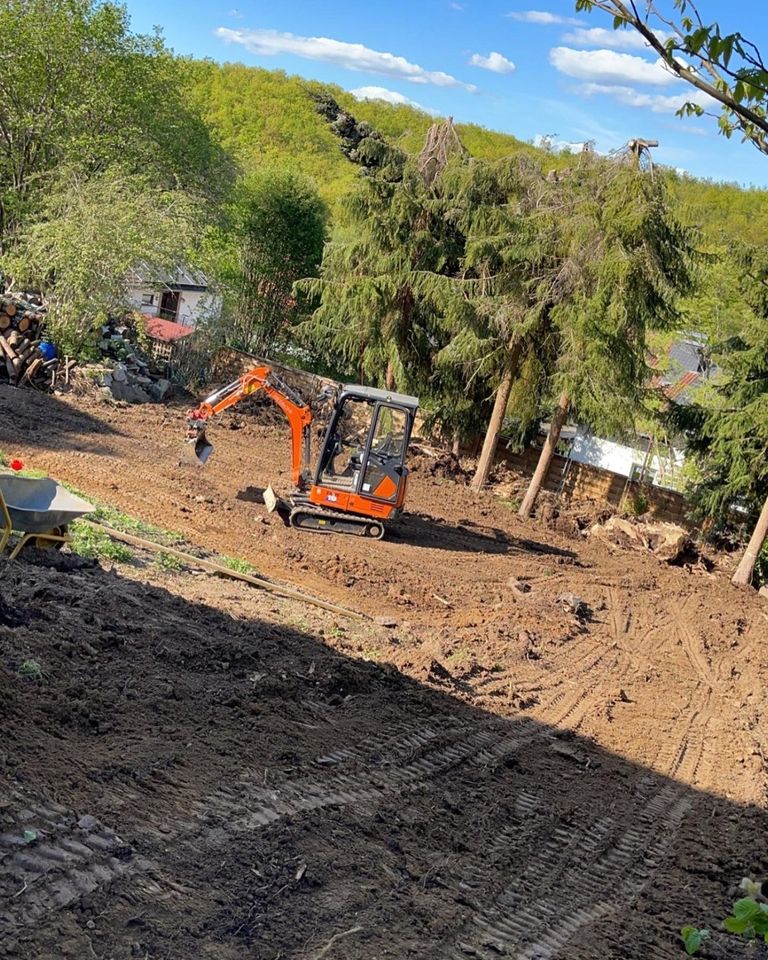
{"points": [[206, 771]]}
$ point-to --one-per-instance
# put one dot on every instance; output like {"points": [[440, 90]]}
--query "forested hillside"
{"points": [[268, 116]]}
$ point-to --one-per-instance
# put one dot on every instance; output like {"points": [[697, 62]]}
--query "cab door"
{"points": [[383, 467]]}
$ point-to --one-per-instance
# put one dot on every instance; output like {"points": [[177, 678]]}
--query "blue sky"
{"points": [[532, 69]]}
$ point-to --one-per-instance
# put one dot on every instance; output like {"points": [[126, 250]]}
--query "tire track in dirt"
{"points": [[50, 858], [527, 921], [586, 860]]}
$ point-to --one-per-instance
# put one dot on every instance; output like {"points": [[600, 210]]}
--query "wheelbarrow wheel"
{"points": [[44, 543]]}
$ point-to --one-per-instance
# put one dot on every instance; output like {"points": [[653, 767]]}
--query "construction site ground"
{"points": [[200, 769]]}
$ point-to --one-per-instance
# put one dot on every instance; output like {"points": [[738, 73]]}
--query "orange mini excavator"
{"points": [[360, 478]]}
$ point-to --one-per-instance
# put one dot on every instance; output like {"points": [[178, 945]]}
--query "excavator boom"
{"points": [[296, 410]]}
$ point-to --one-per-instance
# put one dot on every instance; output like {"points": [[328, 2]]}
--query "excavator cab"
{"points": [[363, 455]]}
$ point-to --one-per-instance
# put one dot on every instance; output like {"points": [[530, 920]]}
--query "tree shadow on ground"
{"points": [[187, 781], [48, 423], [424, 530]]}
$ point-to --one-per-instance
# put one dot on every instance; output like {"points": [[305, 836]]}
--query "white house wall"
{"points": [[194, 305], [136, 298], [621, 458]]}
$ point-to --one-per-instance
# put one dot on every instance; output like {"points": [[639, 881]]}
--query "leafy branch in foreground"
{"points": [[726, 70]]}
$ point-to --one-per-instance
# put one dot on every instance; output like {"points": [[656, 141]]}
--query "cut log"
{"points": [[10, 308], [25, 323], [31, 370], [5, 320], [7, 348], [13, 337]]}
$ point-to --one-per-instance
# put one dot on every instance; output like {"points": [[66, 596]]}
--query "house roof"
{"points": [[165, 330], [687, 369], [180, 278]]}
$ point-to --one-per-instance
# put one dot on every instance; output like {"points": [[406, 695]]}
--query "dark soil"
{"points": [[195, 769]]}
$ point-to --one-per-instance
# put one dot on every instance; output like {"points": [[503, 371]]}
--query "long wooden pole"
{"points": [[193, 561]]}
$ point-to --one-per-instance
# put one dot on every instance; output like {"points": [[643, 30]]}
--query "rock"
{"points": [[388, 622], [159, 389], [87, 822], [520, 587], [573, 604], [129, 392], [119, 373]]}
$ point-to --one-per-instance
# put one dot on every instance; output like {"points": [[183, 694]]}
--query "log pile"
{"points": [[21, 361]]}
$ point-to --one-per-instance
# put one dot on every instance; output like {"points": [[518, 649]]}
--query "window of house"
{"points": [[147, 299]]}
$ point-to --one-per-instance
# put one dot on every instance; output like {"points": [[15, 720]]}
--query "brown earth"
{"points": [[205, 771]]}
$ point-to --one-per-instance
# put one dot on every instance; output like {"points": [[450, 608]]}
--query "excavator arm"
{"points": [[297, 412]]}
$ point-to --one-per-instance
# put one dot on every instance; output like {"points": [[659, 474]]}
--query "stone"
{"points": [[388, 622], [159, 389], [119, 373]]}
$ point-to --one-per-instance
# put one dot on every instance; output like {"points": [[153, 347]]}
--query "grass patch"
{"points": [[32, 670], [88, 542], [168, 563], [125, 523], [236, 564]]}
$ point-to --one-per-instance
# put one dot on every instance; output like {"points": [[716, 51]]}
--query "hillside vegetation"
{"points": [[266, 116]]}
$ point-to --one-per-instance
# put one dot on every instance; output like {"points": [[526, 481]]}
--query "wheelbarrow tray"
{"points": [[38, 505]]}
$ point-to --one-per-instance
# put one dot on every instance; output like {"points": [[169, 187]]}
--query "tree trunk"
{"points": [[456, 445], [389, 376], [485, 462], [545, 460], [746, 567]]}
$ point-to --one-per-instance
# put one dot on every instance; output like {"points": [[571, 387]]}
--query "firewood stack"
{"points": [[21, 361]]}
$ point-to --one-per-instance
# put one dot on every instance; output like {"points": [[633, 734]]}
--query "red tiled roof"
{"points": [[165, 330], [675, 389]]}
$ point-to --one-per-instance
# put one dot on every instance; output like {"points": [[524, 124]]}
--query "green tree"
{"points": [[727, 429], [91, 233], [615, 263], [379, 296], [276, 236], [729, 70], [79, 90]]}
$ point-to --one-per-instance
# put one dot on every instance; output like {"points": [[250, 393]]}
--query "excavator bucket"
{"points": [[270, 499], [197, 449]]}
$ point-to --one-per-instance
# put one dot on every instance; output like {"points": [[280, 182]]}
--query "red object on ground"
{"points": [[17, 464]]}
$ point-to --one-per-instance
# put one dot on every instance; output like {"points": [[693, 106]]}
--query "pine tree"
{"points": [[727, 430], [381, 296], [613, 264]]}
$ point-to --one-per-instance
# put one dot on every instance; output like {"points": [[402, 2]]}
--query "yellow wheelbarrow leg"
{"points": [[57, 536], [7, 525]]}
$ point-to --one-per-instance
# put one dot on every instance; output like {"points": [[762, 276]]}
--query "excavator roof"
{"points": [[374, 394]]}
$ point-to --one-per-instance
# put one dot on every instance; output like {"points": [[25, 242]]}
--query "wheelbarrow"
{"points": [[39, 509]]}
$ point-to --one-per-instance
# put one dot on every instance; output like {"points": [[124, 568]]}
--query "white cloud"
{"points": [[351, 56], [656, 103], [456, 6], [390, 96], [610, 67], [236, 14], [623, 39], [543, 17], [495, 62]]}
